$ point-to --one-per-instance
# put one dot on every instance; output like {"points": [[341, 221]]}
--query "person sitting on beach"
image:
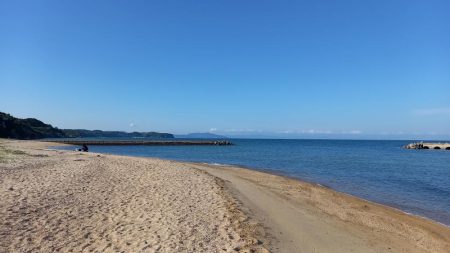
{"points": [[84, 148]]}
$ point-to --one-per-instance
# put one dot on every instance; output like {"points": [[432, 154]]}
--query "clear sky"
{"points": [[283, 68]]}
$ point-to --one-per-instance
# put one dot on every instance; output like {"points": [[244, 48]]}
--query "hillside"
{"points": [[30, 128], [83, 133]]}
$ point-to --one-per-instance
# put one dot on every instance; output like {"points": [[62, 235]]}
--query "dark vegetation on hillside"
{"points": [[77, 133], [11, 127], [30, 128]]}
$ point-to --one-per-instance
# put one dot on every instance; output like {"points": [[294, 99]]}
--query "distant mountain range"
{"points": [[201, 136], [30, 128]]}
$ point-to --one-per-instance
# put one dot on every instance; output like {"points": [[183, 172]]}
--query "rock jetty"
{"points": [[428, 145], [143, 142]]}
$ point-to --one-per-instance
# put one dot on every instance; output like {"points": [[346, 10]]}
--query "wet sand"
{"points": [[306, 217], [85, 202]]}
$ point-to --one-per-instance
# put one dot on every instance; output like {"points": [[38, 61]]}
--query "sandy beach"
{"points": [[67, 201]]}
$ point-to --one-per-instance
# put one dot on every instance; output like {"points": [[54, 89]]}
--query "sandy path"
{"points": [[77, 202]]}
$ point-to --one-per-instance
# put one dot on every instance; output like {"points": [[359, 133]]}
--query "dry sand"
{"points": [[85, 202], [81, 202]]}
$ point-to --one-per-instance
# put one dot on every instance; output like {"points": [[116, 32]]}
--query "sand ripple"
{"points": [[73, 202]]}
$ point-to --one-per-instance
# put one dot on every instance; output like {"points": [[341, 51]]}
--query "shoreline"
{"points": [[55, 200], [280, 174], [301, 180], [397, 215], [288, 213]]}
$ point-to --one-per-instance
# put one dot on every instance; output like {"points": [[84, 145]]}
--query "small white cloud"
{"points": [[318, 131], [433, 111], [132, 125], [315, 131], [286, 132], [213, 129], [352, 132], [242, 130]]}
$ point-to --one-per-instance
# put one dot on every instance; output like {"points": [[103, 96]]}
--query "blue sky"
{"points": [[353, 69]]}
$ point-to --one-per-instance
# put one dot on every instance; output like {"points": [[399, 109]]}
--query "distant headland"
{"points": [[31, 128]]}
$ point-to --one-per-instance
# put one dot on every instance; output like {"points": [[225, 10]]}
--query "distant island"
{"points": [[201, 136], [31, 128]]}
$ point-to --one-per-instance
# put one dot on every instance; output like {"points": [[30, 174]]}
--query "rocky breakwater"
{"points": [[428, 145]]}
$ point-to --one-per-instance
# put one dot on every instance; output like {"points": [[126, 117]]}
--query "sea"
{"points": [[414, 181]]}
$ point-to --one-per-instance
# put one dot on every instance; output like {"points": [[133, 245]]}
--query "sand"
{"points": [[81, 202], [69, 201], [305, 217]]}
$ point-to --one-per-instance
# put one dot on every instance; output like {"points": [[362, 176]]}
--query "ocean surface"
{"points": [[415, 181]]}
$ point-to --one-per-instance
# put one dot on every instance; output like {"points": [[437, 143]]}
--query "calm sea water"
{"points": [[415, 181]]}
